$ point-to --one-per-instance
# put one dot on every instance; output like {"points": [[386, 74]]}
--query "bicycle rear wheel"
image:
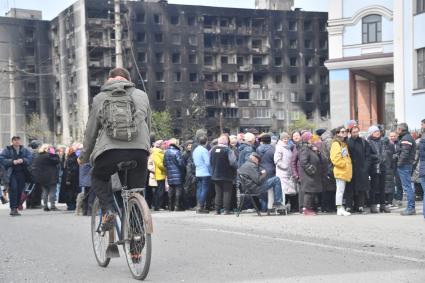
{"points": [[100, 240], [138, 243]]}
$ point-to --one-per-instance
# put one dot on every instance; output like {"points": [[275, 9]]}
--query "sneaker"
{"points": [[408, 212], [341, 212], [361, 210], [386, 208], [348, 209], [108, 221], [309, 212], [14, 212]]}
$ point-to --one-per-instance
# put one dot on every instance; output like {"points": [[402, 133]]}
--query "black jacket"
{"points": [[377, 165], [390, 166], [361, 158], [406, 150], [251, 177], [45, 170], [223, 164]]}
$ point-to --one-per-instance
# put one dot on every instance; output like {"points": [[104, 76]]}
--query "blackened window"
{"points": [[293, 61], [278, 43], [294, 79], [158, 37], [193, 59], [257, 60], [177, 77], [308, 26], [309, 97], [239, 60], [308, 79], [159, 95], [174, 20], [141, 57], [278, 61], [141, 36], [191, 20], [140, 17], [208, 60], [421, 67], [241, 78], [175, 58], [209, 77], [293, 44], [224, 60], [159, 76], [243, 95], [372, 29], [308, 62], [224, 77], [256, 43], [278, 78], [157, 19], [308, 44], [193, 77], [159, 57], [420, 6], [292, 25], [323, 43], [324, 80]]}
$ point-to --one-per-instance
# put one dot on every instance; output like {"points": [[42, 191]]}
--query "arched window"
{"points": [[372, 29]]}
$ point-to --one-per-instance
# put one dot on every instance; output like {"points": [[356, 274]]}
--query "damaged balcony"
{"points": [[220, 99]]}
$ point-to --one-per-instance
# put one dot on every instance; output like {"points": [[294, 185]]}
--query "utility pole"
{"points": [[12, 98], [118, 35]]}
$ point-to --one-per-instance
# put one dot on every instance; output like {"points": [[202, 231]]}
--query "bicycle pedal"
{"points": [[112, 251]]}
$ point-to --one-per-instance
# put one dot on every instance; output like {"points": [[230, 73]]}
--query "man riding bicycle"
{"points": [[118, 130]]}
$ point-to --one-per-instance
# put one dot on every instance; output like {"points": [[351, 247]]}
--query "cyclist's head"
{"points": [[120, 72]]}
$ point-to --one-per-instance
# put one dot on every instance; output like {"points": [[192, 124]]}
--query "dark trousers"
{"points": [[158, 194], [310, 200], [16, 187], [354, 199], [89, 196], [223, 195], [328, 201], [105, 165], [398, 195], [176, 196], [34, 199], [377, 189]]}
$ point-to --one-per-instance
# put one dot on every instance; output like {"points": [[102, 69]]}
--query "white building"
{"points": [[376, 61]]}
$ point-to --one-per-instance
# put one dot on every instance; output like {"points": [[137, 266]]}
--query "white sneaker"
{"points": [[341, 212]]}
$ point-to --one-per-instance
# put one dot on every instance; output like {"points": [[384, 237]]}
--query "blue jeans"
{"points": [[273, 182], [16, 187], [405, 172], [423, 189], [202, 187]]}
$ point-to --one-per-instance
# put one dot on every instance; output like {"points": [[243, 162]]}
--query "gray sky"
{"points": [[51, 8]]}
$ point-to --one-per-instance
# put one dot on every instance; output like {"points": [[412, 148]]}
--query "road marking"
{"points": [[313, 244]]}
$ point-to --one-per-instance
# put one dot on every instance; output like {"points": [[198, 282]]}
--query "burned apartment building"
{"points": [[224, 69], [25, 74]]}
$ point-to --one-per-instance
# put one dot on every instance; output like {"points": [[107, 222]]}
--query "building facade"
{"points": [[375, 62], [223, 69], [26, 73]]}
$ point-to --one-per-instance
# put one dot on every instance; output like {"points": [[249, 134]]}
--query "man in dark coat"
{"points": [[16, 159], [254, 180], [34, 199], [45, 173], [359, 149], [405, 158], [390, 170], [174, 163]]}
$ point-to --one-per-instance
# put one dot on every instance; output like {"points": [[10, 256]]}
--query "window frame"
{"points": [[420, 57], [367, 25]]}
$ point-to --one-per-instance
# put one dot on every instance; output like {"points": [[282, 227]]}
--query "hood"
{"points": [[326, 136], [243, 146], [263, 148], [116, 85]]}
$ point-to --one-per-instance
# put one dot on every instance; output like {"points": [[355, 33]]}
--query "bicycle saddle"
{"points": [[127, 165]]}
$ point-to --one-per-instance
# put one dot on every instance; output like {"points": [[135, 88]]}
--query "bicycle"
{"points": [[133, 227]]}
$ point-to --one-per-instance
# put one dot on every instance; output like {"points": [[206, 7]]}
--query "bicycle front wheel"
{"points": [[138, 243], [100, 240]]}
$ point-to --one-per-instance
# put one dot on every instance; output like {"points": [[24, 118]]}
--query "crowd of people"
{"points": [[303, 172]]}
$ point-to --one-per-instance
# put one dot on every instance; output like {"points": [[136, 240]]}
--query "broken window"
{"points": [[224, 22], [322, 26], [309, 96], [293, 44], [159, 56], [224, 60], [239, 60], [243, 95], [209, 77], [257, 79], [257, 60], [293, 61], [158, 37], [278, 78], [292, 26], [208, 41], [175, 58], [308, 79], [324, 80], [209, 21], [157, 18], [159, 76], [193, 59], [294, 79], [224, 77], [308, 26], [177, 77], [278, 43], [141, 57], [309, 115], [323, 44], [141, 37], [174, 20], [31, 86], [278, 26], [324, 97], [240, 41], [308, 44], [140, 17], [308, 62], [241, 78], [322, 61], [208, 60], [256, 43], [191, 20], [278, 61], [159, 95], [193, 77]]}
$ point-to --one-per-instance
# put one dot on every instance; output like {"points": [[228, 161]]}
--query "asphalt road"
{"points": [[56, 247]]}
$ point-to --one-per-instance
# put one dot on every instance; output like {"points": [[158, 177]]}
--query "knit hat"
{"points": [[350, 124], [320, 132], [306, 136], [372, 129]]}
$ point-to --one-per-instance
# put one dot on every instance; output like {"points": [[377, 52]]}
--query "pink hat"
{"points": [[306, 136]]}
